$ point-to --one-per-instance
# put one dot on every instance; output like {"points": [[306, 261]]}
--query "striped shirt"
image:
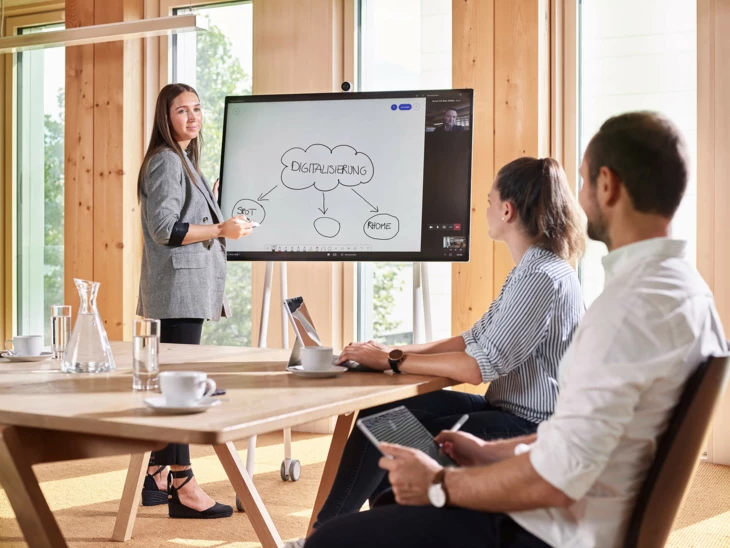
{"points": [[520, 340]]}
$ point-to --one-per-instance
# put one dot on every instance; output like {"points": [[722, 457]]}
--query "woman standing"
{"points": [[183, 269]]}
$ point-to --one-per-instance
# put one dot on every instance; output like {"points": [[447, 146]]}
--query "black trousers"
{"points": [[397, 526], [177, 331]]}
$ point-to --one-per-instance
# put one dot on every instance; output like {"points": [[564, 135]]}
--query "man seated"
{"points": [[575, 481]]}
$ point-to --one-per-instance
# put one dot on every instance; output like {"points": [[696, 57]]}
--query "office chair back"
{"points": [[677, 456]]}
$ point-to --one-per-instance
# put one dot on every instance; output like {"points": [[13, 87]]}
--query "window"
{"points": [[39, 185], [639, 56], [219, 63], [402, 45]]}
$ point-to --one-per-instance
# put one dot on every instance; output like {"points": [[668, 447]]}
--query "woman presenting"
{"points": [[183, 270]]}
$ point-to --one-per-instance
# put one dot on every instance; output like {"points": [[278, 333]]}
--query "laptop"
{"points": [[306, 334]]}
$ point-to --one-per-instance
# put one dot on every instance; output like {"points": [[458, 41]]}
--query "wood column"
{"points": [[298, 48], [104, 147], [713, 191], [501, 48]]}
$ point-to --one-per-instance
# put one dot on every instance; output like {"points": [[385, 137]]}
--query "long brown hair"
{"points": [[547, 208], [162, 138]]}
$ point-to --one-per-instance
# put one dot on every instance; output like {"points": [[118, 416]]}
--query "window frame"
{"points": [[15, 20]]}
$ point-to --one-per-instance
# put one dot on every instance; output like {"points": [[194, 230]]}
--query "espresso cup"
{"points": [[25, 345], [316, 358], [185, 388]]}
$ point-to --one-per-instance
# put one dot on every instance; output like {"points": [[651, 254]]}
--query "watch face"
{"points": [[395, 354], [436, 495]]}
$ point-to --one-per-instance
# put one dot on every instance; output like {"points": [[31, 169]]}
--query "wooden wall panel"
{"points": [[103, 152], [79, 156], [298, 48], [501, 48], [521, 88], [713, 191], [473, 67]]}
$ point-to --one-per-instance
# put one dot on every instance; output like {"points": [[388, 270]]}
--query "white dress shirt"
{"points": [[654, 323]]}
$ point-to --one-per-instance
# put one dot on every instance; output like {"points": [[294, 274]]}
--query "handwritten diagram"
{"points": [[324, 169]]}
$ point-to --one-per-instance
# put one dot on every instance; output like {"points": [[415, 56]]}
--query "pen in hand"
{"points": [[459, 423]]}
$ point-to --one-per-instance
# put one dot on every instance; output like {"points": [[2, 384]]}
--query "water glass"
{"points": [[60, 329], [145, 354]]}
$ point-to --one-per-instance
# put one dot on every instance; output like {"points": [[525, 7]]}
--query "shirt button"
{"points": [[205, 219]]}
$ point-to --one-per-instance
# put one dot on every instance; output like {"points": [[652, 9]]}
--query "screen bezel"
{"points": [[370, 256]]}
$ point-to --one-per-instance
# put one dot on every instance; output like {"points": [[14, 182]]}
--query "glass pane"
{"points": [[639, 56], [41, 80], [219, 63], [402, 45]]}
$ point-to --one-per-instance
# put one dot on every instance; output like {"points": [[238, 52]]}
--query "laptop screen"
{"points": [[302, 322]]}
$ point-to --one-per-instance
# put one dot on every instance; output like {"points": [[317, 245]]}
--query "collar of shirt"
{"points": [[626, 256]]}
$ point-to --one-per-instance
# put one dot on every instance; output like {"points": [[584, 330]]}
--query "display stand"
{"points": [[291, 469], [421, 305]]}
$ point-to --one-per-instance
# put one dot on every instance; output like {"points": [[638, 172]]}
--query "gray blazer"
{"points": [[186, 281]]}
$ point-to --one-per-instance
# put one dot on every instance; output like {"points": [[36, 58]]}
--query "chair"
{"points": [[677, 456]]}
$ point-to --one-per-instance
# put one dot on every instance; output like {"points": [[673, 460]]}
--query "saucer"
{"points": [[159, 403], [12, 358], [331, 371]]}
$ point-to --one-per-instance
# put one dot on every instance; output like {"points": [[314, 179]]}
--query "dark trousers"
{"points": [[359, 477], [397, 526], [177, 331]]}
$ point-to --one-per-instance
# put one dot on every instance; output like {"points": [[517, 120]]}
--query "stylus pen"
{"points": [[459, 423]]}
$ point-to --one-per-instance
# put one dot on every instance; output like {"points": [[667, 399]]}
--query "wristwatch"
{"points": [[437, 494], [395, 356]]}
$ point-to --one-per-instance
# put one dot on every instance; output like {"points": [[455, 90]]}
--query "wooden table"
{"points": [[49, 416]]}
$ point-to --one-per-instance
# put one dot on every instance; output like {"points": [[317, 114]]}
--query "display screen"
{"points": [[383, 176]]}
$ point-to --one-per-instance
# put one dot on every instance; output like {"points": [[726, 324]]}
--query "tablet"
{"points": [[400, 426]]}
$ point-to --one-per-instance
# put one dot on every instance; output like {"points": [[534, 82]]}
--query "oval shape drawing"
{"points": [[327, 227], [382, 227], [253, 210]]}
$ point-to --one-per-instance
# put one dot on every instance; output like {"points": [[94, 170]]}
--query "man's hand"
{"points": [[365, 354], [468, 450], [411, 472]]}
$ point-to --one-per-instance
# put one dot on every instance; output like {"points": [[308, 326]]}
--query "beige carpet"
{"points": [[84, 496]]}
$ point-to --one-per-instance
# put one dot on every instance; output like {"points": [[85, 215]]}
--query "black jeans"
{"points": [[397, 526], [177, 331], [359, 477]]}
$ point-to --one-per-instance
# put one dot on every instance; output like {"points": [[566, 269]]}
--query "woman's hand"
{"points": [[365, 354], [380, 346], [236, 228]]}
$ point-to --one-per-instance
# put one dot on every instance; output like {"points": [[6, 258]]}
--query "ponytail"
{"points": [[547, 208]]}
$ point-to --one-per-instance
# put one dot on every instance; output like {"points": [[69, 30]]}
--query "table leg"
{"points": [[127, 513], [248, 495], [339, 439], [21, 487]]}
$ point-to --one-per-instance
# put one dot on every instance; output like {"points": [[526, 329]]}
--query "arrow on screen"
{"points": [[323, 209], [262, 197], [375, 208]]}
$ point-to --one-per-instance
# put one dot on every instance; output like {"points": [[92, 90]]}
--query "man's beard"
{"points": [[598, 230]]}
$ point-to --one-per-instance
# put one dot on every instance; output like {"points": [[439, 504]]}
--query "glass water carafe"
{"points": [[88, 349]]}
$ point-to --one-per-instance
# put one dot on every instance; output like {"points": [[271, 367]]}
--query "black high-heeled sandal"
{"points": [[178, 510], [151, 494]]}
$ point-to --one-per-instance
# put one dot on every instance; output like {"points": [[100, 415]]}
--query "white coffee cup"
{"points": [[185, 388], [25, 345], [316, 358]]}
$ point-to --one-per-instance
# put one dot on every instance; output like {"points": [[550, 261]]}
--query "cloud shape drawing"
{"points": [[325, 168]]}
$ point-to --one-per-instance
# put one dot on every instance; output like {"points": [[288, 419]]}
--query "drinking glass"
{"points": [[145, 350], [60, 329]]}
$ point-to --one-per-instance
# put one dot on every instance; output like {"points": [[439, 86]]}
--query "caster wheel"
{"points": [[239, 506], [294, 471]]}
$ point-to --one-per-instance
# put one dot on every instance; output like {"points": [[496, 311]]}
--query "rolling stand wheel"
{"points": [[291, 470]]}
